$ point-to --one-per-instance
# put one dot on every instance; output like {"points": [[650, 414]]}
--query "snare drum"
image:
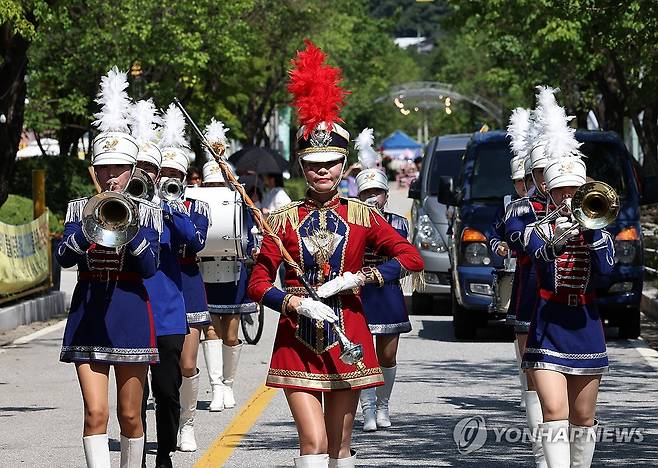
{"points": [[227, 233], [502, 289]]}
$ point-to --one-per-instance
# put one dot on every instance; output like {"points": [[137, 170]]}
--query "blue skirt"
{"points": [[229, 298], [194, 293], [566, 339], [526, 299], [385, 309], [110, 322]]}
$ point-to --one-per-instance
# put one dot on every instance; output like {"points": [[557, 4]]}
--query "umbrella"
{"points": [[258, 160]]}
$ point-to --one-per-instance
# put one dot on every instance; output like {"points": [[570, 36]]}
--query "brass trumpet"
{"points": [[141, 185], [171, 189], [593, 206], [110, 219]]}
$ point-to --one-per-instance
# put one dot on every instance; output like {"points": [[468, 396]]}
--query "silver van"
{"points": [[429, 221]]}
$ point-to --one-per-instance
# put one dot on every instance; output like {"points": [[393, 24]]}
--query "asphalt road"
{"points": [[440, 382]]}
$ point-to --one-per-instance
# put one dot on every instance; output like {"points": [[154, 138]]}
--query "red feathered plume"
{"points": [[315, 88]]}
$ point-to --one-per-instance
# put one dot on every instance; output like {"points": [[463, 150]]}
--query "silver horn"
{"points": [[171, 189], [141, 185], [110, 219]]}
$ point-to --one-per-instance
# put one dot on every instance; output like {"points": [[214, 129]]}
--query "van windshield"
{"points": [[606, 162], [444, 163], [491, 177], [491, 180]]}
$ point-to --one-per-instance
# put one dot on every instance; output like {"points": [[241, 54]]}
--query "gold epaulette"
{"points": [[359, 212], [289, 213]]}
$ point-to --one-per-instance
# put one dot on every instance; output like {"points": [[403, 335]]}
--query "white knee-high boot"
{"points": [[131, 452], [523, 378], [535, 417], [555, 442], [383, 396], [583, 441], [189, 391], [97, 451], [212, 352], [349, 462], [231, 359], [368, 399], [320, 460]]}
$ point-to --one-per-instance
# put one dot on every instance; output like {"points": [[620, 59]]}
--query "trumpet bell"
{"points": [[110, 219], [171, 189], [141, 185], [595, 205]]}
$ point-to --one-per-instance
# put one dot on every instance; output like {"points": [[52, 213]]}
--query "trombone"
{"points": [[593, 206]]}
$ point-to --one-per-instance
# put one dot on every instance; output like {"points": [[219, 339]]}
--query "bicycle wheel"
{"points": [[252, 325]]}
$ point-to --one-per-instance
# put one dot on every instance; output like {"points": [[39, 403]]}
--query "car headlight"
{"points": [[428, 237], [476, 253]]}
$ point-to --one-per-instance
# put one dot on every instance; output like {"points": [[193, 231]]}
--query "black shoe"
{"points": [[163, 461]]}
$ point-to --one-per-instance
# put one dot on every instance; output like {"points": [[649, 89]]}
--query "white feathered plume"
{"points": [[215, 132], [519, 125], [368, 157], [114, 101], [173, 133], [554, 132], [144, 121]]}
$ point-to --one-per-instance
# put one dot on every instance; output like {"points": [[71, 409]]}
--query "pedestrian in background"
{"points": [[275, 195]]}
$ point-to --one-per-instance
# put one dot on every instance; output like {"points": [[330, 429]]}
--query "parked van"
{"points": [[429, 223], [478, 192]]}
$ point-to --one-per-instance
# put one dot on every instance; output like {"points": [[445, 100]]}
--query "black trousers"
{"points": [[166, 379]]}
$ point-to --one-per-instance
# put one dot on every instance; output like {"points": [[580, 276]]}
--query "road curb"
{"points": [[37, 309]]}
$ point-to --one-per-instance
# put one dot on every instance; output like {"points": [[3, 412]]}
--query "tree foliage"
{"points": [[600, 54]]}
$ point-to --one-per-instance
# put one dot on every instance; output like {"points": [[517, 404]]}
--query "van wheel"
{"points": [[463, 322], [629, 325], [422, 304]]}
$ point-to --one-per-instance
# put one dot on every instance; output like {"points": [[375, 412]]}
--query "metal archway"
{"points": [[428, 95]]}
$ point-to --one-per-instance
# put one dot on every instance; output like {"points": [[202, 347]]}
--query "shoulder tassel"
{"points": [[279, 218], [74, 210], [150, 216], [359, 213]]}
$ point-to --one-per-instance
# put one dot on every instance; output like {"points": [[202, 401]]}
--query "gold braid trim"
{"points": [[279, 218], [359, 213]]}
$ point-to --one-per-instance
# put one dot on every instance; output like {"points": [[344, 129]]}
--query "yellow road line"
{"points": [[224, 445]]}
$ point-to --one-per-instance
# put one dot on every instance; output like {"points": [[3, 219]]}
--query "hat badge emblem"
{"points": [[170, 156], [320, 138], [110, 144], [370, 177], [566, 167]]}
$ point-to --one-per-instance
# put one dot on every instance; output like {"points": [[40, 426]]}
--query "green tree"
{"points": [[601, 55], [18, 26]]}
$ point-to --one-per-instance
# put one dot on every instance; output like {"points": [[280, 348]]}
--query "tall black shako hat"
{"points": [[319, 99]]}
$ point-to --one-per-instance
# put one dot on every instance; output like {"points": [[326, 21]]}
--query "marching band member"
{"points": [[225, 280], [110, 320], [383, 305], [198, 317], [165, 290], [327, 235], [519, 215], [566, 350]]}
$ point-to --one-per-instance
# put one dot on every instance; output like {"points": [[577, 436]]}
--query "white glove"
{"points": [[563, 225], [340, 283], [316, 310]]}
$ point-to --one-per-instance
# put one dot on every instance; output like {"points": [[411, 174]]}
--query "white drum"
{"points": [[227, 233]]}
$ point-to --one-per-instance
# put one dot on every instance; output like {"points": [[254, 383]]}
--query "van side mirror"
{"points": [[414, 189], [446, 194], [649, 193]]}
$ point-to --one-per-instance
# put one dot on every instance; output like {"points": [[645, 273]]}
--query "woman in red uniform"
{"points": [[327, 236]]}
